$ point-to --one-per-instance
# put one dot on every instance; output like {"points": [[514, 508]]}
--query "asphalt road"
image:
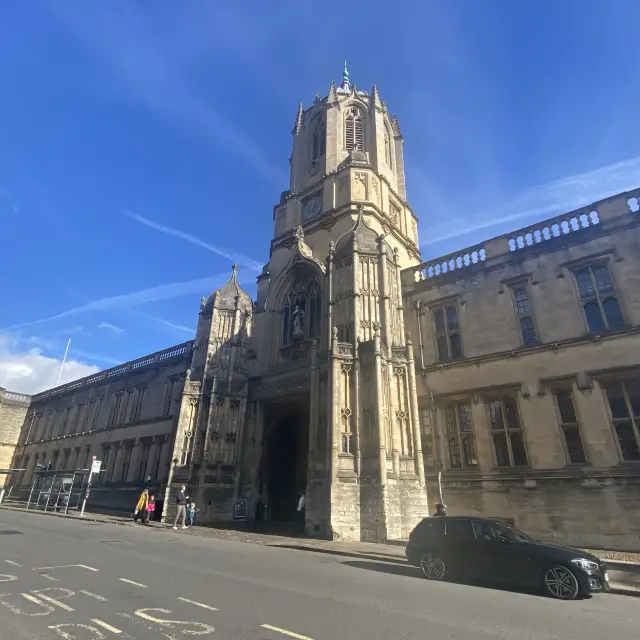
{"points": [[81, 580]]}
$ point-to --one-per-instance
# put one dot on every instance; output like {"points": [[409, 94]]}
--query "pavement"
{"points": [[73, 579]]}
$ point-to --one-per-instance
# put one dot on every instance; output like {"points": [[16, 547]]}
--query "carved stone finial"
{"points": [[408, 338], [332, 97], [318, 97], [298, 233], [298, 123], [376, 328], [332, 246], [203, 303], [395, 126], [375, 97], [188, 375], [334, 333]]}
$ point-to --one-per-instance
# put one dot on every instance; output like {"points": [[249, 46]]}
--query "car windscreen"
{"points": [[514, 533]]}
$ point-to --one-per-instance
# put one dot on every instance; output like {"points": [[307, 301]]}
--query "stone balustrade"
{"points": [[11, 397], [576, 221], [178, 351], [452, 262]]}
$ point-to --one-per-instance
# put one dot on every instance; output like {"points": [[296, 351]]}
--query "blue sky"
{"points": [[143, 144]]}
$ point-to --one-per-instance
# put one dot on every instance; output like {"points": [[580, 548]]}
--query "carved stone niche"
{"points": [[584, 381], [533, 389]]}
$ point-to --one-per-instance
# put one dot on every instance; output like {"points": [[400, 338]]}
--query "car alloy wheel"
{"points": [[432, 566], [560, 583]]}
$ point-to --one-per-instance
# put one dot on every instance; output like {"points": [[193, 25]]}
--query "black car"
{"points": [[488, 549]]}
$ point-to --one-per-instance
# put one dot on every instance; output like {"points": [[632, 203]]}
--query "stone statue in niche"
{"points": [[298, 322]]}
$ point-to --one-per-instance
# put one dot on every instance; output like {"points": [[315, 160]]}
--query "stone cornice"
{"points": [[525, 351], [329, 218]]}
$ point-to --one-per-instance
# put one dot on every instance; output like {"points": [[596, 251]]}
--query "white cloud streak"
{"points": [[556, 197], [137, 298], [110, 327], [166, 323], [181, 235]]}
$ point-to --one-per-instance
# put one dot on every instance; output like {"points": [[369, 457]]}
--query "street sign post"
{"points": [[95, 468]]}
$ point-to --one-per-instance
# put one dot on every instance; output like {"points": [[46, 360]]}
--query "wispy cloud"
{"points": [[96, 357], [24, 368], [137, 298], [7, 203], [127, 40], [111, 327], [166, 323], [187, 237], [562, 195]]}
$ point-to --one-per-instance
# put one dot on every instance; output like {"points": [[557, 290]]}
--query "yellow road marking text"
{"points": [[53, 601], [95, 596], [106, 626]]}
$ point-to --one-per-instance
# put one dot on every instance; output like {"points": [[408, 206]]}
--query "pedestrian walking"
{"points": [[151, 507], [181, 511], [259, 514], [191, 514], [301, 510], [141, 506]]}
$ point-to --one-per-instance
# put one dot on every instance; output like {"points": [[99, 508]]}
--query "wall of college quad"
{"points": [[530, 386], [124, 416]]}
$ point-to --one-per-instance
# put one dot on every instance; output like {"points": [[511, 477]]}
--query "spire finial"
{"points": [[298, 123], [345, 77], [234, 271]]}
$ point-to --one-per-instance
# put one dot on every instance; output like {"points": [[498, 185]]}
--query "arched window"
{"points": [[318, 139], [302, 313], [354, 131], [387, 147]]}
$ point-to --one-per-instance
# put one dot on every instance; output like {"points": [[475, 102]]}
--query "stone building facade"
{"points": [[13, 409], [504, 378], [125, 416], [529, 393]]}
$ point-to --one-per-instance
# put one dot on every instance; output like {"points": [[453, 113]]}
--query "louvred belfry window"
{"points": [[319, 139], [354, 131]]}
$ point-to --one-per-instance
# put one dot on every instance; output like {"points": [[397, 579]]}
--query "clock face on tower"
{"points": [[311, 207]]}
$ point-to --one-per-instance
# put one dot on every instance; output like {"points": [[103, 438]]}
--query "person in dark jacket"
{"points": [[181, 500], [261, 508], [441, 510]]}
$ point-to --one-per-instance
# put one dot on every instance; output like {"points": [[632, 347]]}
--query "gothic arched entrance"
{"points": [[285, 457]]}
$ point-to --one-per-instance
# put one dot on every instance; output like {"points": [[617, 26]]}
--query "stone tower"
{"points": [[324, 401], [330, 309], [208, 444]]}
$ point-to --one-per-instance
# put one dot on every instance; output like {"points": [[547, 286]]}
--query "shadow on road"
{"points": [[409, 571], [386, 557]]}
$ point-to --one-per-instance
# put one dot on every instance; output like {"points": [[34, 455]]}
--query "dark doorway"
{"points": [[286, 455]]}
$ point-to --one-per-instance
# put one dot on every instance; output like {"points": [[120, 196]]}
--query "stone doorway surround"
{"points": [[285, 449]]}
